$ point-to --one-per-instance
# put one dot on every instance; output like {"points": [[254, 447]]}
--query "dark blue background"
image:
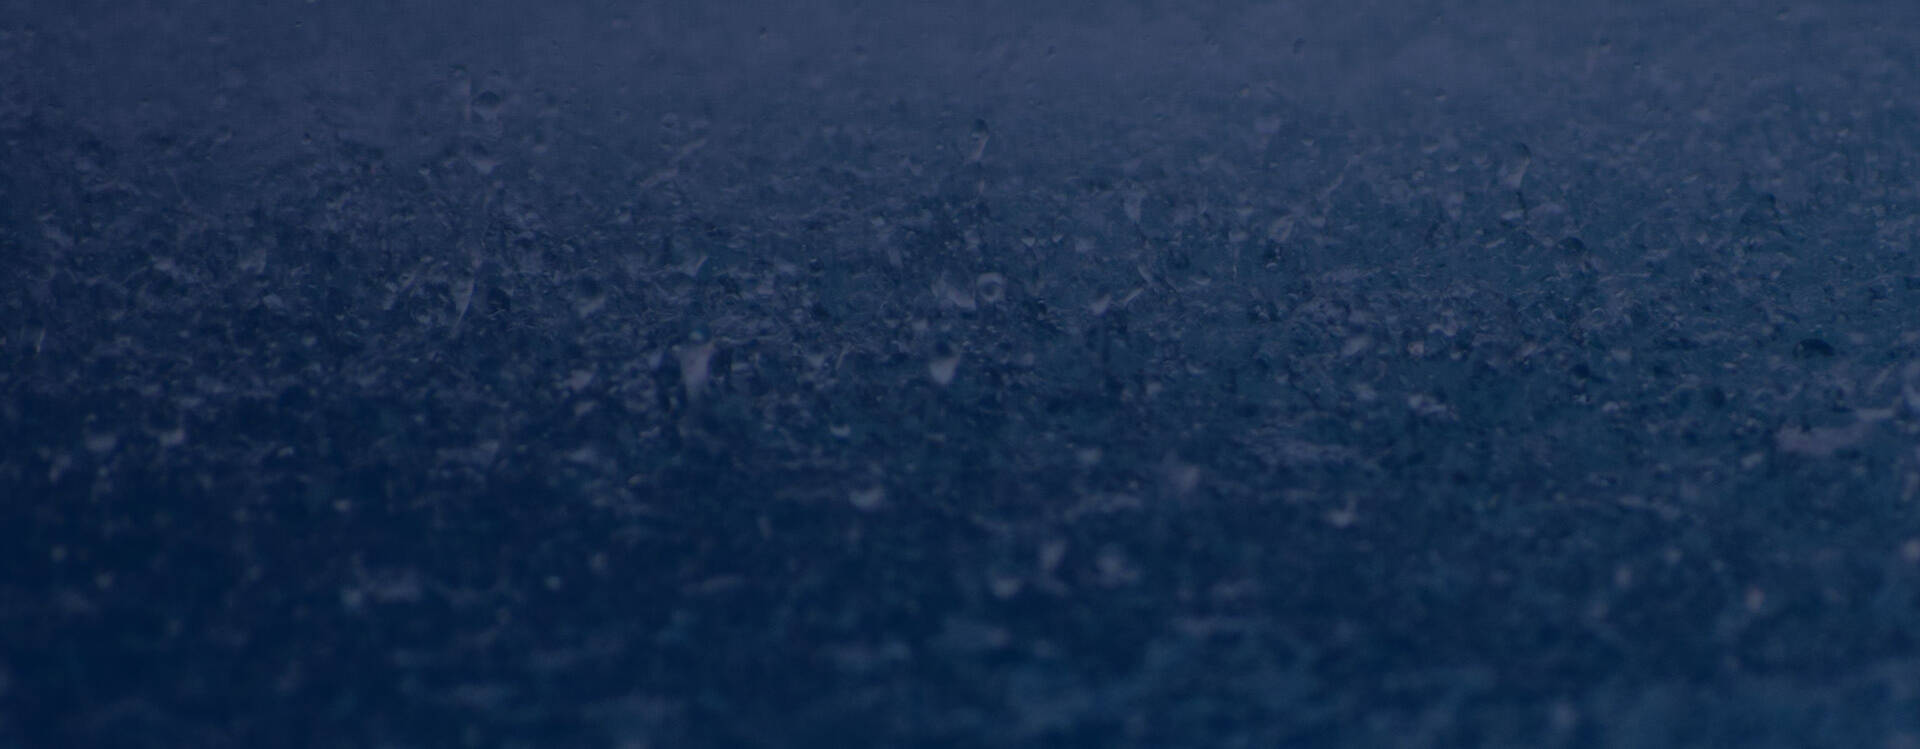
{"points": [[975, 374]]}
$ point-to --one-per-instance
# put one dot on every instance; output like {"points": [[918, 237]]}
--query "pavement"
{"points": [[991, 374]]}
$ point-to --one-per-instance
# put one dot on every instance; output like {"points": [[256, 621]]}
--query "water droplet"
{"points": [[869, 499], [942, 369], [1514, 171], [979, 137], [586, 306], [1811, 347], [1344, 517], [992, 287], [694, 360], [487, 105], [482, 161]]}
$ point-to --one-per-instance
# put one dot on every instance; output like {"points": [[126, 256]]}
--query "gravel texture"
{"points": [[851, 373]]}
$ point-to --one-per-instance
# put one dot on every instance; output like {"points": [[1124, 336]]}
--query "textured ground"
{"points": [[1022, 374]]}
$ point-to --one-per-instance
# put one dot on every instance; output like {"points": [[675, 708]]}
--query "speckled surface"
{"points": [[1119, 374]]}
